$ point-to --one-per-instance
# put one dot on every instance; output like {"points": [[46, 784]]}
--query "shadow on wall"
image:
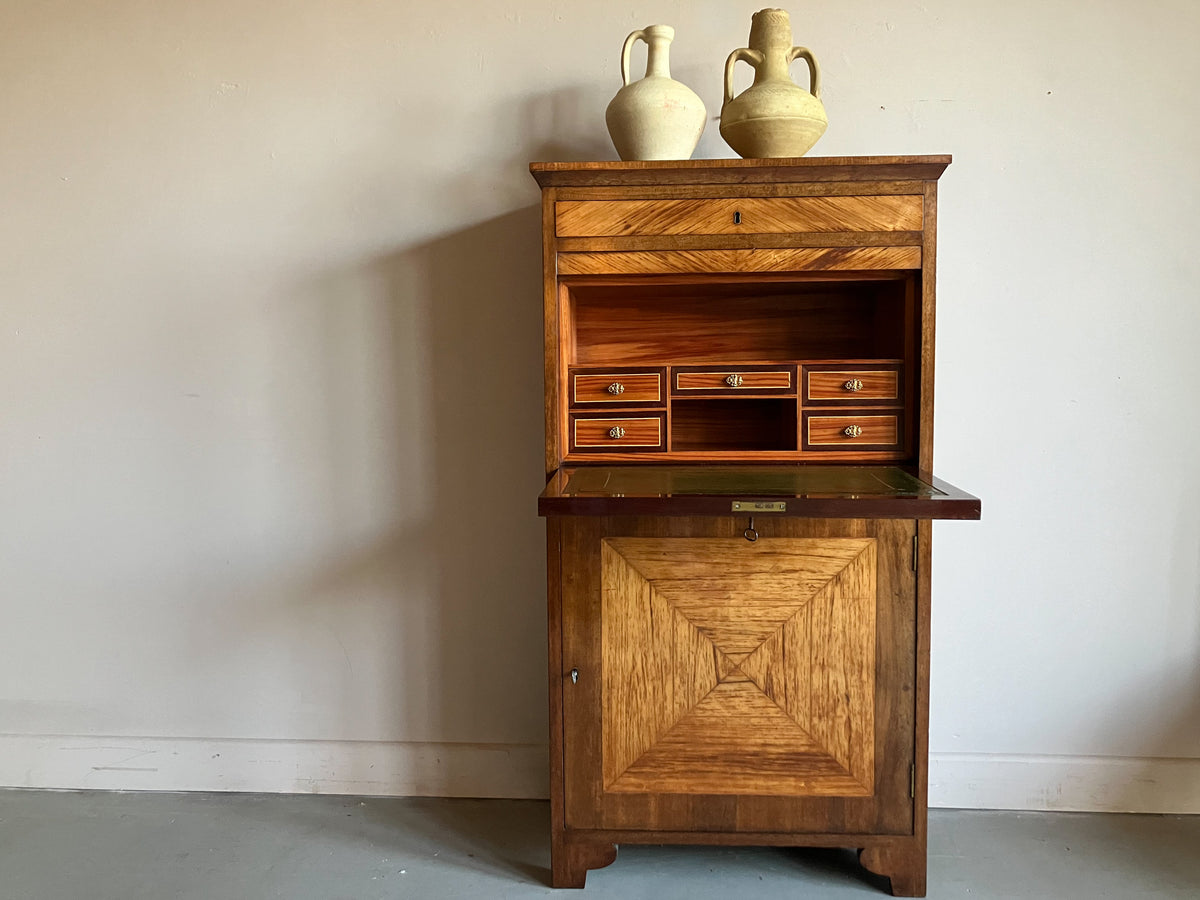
{"points": [[464, 332], [566, 125], [483, 287], [459, 328], [412, 463]]}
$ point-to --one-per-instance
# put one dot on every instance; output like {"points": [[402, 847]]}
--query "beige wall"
{"points": [[270, 383]]}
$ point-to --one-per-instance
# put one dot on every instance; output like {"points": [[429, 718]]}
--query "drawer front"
{"points": [[852, 385], [746, 215], [616, 387], [615, 434], [711, 380], [866, 430]]}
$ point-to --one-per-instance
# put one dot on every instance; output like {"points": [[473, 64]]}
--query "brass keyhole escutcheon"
{"points": [[852, 431], [853, 384], [616, 388], [737, 218], [616, 432], [574, 676], [734, 380]]}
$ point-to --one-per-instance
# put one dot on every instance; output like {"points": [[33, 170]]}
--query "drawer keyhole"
{"points": [[737, 218]]}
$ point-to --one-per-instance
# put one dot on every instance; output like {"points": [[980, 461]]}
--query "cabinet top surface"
{"points": [[739, 171]]}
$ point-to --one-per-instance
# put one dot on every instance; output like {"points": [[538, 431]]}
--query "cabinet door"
{"points": [[731, 685]]}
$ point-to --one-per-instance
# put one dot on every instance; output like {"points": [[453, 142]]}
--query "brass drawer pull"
{"points": [[616, 432], [853, 384], [616, 388], [733, 380], [852, 431]]}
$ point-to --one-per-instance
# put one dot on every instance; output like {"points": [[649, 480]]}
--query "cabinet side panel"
{"points": [[551, 329], [581, 607], [899, 671], [928, 319], [556, 674], [924, 614]]}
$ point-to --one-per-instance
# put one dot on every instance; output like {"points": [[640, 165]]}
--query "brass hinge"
{"points": [[914, 555], [912, 781]]}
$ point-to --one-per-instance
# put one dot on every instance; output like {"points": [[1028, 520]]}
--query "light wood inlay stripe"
{"points": [[691, 262], [742, 215]]}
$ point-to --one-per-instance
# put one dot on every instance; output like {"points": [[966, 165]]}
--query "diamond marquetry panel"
{"points": [[733, 667]]}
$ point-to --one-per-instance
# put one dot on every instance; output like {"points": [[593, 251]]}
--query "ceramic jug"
{"points": [[655, 117], [774, 117]]}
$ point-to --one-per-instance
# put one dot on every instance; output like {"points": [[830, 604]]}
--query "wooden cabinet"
{"points": [[739, 412]]}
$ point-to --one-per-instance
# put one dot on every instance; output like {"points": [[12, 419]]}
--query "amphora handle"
{"points": [[814, 71], [754, 57], [625, 51]]}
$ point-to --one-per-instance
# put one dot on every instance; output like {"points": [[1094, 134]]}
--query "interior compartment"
{"points": [[856, 315], [733, 424]]}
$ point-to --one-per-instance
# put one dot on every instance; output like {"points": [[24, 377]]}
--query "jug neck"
{"points": [[774, 67], [658, 54]]}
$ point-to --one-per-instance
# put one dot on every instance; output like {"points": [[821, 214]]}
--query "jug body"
{"points": [[655, 117], [774, 117]]}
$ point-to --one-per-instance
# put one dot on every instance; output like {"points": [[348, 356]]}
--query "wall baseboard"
{"points": [[1064, 783], [416, 769], [372, 768]]}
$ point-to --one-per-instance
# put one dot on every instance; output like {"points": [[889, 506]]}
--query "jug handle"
{"points": [[814, 71], [754, 57], [626, 48]]}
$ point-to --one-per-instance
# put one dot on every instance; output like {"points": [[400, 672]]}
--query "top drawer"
{"points": [[747, 215], [612, 386], [716, 381], [852, 385]]}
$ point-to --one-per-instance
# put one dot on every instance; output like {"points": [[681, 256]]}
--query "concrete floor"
{"points": [[105, 846]]}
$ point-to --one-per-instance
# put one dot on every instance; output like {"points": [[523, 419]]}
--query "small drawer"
{"points": [[615, 434], [865, 430], [611, 387], [852, 385], [739, 215], [699, 381]]}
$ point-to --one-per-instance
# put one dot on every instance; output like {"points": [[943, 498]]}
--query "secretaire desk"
{"points": [[739, 446]]}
